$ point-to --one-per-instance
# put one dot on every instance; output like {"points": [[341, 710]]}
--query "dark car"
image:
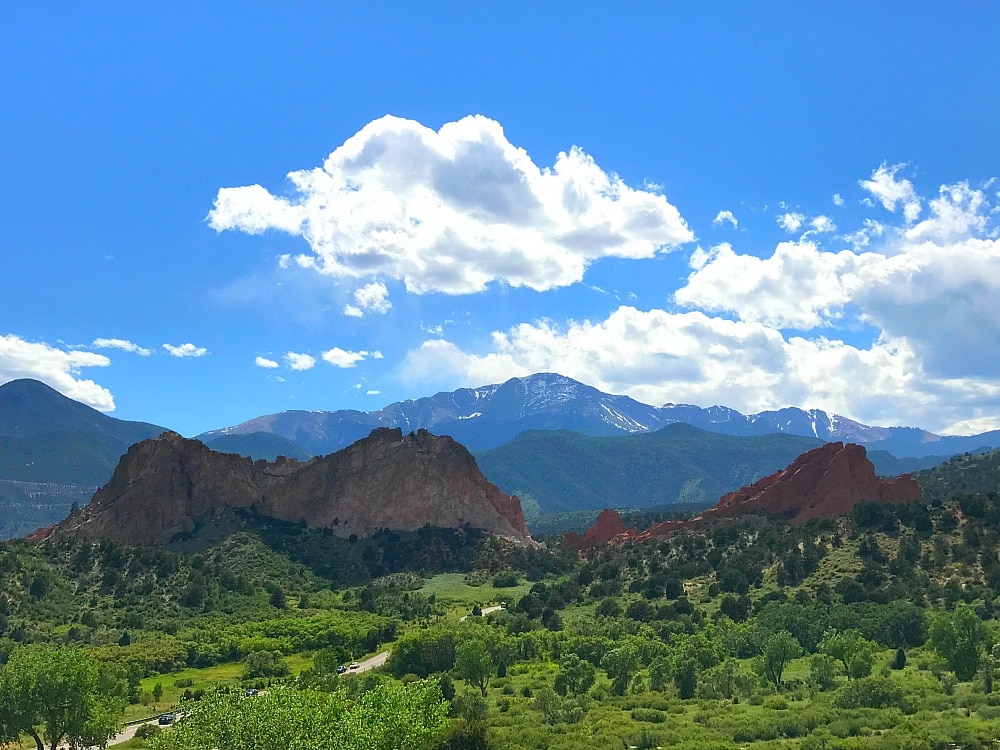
{"points": [[341, 669], [166, 719], [251, 692]]}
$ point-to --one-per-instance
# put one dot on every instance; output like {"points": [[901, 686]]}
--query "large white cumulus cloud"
{"points": [[933, 286], [455, 210], [920, 307], [55, 367]]}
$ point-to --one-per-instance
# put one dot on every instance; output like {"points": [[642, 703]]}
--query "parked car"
{"points": [[166, 719], [251, 692], [354, 665], [503, 605], [341, 669]]}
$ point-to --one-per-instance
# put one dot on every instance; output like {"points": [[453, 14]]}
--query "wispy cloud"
{"points": [[185, 350], [345, 359], [124, 345], [724, 216], [889, 191], [791, 222]]}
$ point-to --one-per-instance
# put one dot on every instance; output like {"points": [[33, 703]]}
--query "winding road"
{"points": [[129, 731]]}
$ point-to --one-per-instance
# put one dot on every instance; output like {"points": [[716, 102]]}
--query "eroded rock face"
{"points": [[608, 526], [822, 483], [164, 486]]}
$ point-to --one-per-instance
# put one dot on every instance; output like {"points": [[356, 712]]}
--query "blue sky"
{"points": [[216, 211]]}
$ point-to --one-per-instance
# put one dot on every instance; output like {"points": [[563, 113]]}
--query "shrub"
{"points": [[871, 692], [146, 731], [505, 580], [609, 608], [650, 715]]}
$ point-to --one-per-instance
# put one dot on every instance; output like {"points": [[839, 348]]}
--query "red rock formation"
{"points": [[165, 486], [608, 526], [825, 482], [660, 529], [822, 483]]}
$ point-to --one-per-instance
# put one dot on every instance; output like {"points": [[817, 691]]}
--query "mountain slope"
{"points": [[53, 452], [489, 416], [966, 473], [566, 471]]}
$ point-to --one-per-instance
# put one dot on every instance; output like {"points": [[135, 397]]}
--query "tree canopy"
{"points": [[58, 695], [390, 717]]}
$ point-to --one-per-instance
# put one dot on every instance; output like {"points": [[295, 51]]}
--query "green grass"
{"points": [[458, 597], [201, 679]]}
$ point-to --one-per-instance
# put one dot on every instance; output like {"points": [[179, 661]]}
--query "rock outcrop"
{"points": [[608, 526], [166, 486], [824, 482]]}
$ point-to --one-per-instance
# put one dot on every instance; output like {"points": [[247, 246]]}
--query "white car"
{"points": [[354, 665]]}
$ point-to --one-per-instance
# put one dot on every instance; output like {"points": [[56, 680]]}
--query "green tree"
{"points": [[990, 667], [779, 649], [959, 637], [277, 598], [56, 695], [851, 649], [549, 704], [686, 678], [576, 674], [620, 664], [823, 671], [660, 672], [264, 664], [474, 664], [391, 716]]}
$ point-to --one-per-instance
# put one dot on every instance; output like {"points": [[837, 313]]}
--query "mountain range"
{"points": [[545, 435], [492, 415]]}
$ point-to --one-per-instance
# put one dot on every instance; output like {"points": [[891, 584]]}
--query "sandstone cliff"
{"points": [[607, 526], [825, 482], [164, 487]]}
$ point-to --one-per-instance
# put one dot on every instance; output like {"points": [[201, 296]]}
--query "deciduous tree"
{"points": [[473, 664], [959, 637], [779, 649], [57, 695]]}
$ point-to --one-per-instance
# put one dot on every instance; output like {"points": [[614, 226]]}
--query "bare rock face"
{"points": [[608, 526], [164, 486], [824, 482]]}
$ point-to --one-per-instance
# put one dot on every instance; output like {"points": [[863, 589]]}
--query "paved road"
{"points": [[368, 664], [123, 736], [374, 663], [486, 611], [128, 733]]}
